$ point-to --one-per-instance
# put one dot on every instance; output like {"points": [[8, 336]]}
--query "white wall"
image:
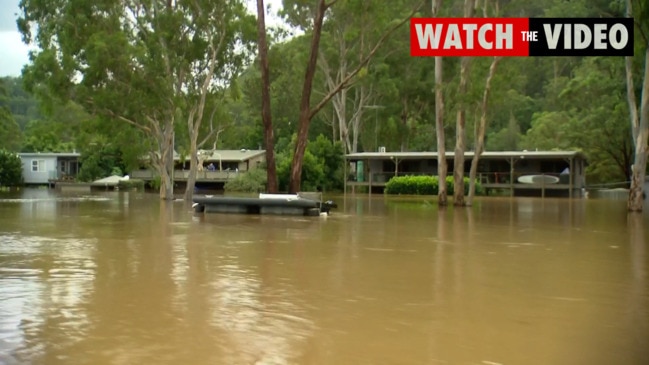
{"points": [[38, 177]]}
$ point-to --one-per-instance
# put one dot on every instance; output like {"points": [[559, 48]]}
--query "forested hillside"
{"points": [[535, 103]]}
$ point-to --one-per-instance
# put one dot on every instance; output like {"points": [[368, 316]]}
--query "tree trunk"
{"points": [[356, 129], [636, 193], [339, 100], [269, 138], [460, 135], [482, 127], [166, 186], [640, 127], [442, 196], [164, 163], [193, 167], [439, 128], [305, 104], [340, 105], [362, 95], [460, 129]]}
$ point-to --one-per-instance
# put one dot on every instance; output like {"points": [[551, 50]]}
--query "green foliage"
{"points": [[100, 162], [253, 181], [20, 104], [11, 169], [423, 185], [544, 103], [131, 184], [10, 134], [155, 183], [141, 63], [413, 185], [330, 156], [313, 175], [43, 136], [323, 164]]}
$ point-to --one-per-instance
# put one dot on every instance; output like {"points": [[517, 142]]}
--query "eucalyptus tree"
{"points": [[350, 33], [266, 116], [220, 37], [442, 168], [146, 63], [480, 132], [311, 16], [639, 114]]}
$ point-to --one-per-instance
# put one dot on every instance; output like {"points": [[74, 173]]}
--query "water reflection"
{"points": [[45, 284], [123, 278]]}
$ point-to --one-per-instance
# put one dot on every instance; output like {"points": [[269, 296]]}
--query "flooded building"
{"points": [[40, 168], [520, 173], [215, 167]]}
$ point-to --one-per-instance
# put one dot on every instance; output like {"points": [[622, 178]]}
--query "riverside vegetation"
{"points": [[176, 77]]}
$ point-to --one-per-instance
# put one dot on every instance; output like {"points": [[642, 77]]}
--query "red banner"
{"points": [[476, 37]]}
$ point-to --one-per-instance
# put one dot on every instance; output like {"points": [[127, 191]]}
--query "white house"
{"points": [[41, 167]]}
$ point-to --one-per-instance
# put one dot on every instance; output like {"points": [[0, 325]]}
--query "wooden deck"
{"points": [[181, 175], [487, 183]]}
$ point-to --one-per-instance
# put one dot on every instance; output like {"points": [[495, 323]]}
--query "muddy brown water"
{"points": [[122, 278]]}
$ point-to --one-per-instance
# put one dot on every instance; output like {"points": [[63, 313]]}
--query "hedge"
{"points": [[424, 185], [253, 181]]}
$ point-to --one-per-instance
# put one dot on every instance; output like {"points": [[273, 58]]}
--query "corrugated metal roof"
{"points": [[469, 154], [232, 155], [49, 154], [225, 155]]}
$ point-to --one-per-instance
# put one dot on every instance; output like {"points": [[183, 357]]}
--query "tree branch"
{"points": [[344, 83]]}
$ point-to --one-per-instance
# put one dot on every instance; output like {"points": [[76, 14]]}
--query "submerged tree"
{"points": [[480, 130], [442, 194], [269, 136], [639, 115], [460, 126], [219, 37]]}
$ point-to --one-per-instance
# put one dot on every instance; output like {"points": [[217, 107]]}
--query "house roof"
{"points": [[231, 155], [468, 154], [49, 154]]}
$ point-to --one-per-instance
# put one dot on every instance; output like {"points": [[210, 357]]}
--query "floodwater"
{"points": [[122, 278]]}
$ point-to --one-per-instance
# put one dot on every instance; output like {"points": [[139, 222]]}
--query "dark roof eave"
{"points": [[469, 154]]}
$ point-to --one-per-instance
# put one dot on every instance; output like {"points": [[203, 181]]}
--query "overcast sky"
{"points": [[14, 53]]}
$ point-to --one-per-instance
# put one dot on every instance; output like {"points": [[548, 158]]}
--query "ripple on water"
{"points": [[262, 326], [43, 286], [55, 199]]}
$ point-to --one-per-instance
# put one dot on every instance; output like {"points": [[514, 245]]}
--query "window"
{"points": [[38, 165]]}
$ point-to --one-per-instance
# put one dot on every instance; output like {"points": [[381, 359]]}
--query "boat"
{"points": [[282, 204], [538, 179]]}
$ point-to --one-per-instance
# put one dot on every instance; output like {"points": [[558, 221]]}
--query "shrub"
{"points": [[11, 169], [253, 181], [322, 167], [155, 183], [424, 185], [131, 184]]}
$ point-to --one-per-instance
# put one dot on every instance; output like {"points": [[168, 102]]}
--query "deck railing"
{"points": [[205, 175], [485, 177]]}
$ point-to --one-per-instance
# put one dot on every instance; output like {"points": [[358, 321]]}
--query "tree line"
{"points": [[212, 74]]}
